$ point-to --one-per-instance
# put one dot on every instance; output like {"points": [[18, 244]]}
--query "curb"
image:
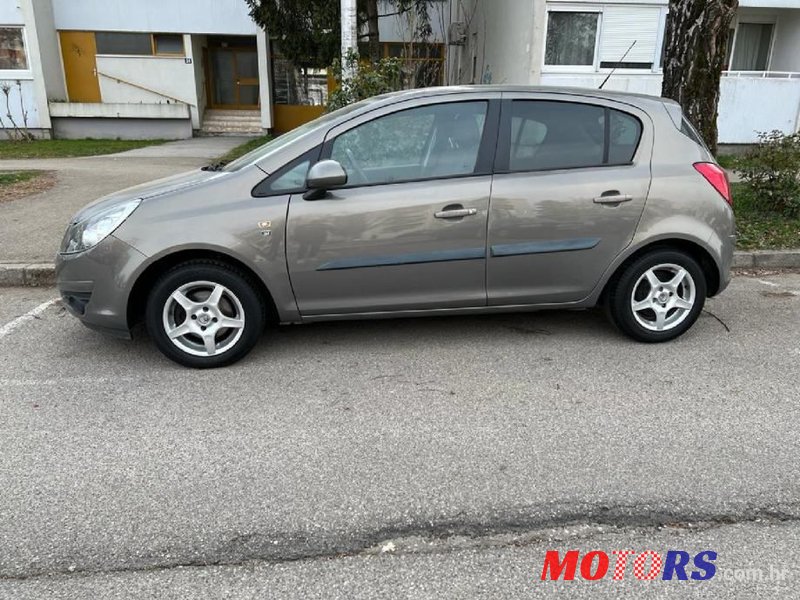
{"points": [[767, 259], [43, 274], [27, 274]]}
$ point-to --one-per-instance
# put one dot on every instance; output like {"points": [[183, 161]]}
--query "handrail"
{"points": [[146, 89]]}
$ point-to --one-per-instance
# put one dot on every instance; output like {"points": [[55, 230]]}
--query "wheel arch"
{"points": [[693, 248], [147, 278]]}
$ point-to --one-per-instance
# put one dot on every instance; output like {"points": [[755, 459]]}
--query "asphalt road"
{"points": [[421, 458]]}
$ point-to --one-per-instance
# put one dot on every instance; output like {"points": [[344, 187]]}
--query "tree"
{"points": [[695, 46], [309, 30]]}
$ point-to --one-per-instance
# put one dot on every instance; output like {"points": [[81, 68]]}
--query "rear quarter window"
{"points": [[689, 131]]}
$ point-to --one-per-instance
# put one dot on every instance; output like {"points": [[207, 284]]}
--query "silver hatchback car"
{"points": [[428, 202]]}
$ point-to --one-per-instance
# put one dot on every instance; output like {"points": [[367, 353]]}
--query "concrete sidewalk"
{"points": [[31, 228]]}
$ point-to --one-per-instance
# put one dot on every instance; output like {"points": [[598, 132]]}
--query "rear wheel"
{"points": [[205, 314], [658, 296]]}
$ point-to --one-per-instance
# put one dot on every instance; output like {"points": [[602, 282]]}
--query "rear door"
{"points": [[571, 179], [408, 231]]}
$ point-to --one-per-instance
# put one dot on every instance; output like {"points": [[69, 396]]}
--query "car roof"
{"points": [[639, 100]]}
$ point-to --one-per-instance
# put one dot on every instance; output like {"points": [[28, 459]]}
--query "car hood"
{"points": [[149, 190]]}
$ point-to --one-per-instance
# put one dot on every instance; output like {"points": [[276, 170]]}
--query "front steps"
{"points": [[231, 122]]}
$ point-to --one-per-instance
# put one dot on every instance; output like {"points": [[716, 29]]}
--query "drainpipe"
{"points": [[349, 34]]}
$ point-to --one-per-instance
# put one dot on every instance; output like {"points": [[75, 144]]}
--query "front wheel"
{"points": [[205, 314], [657, 297]]}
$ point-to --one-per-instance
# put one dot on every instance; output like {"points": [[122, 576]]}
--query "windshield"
{"points": [[285, 139]]}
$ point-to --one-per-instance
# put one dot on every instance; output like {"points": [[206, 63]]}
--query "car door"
{"points": [[408, 230], [571, 179]]}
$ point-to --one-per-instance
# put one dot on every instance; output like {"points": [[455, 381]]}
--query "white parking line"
{"points": [[777, 285], [28, 316], [769, 283]]}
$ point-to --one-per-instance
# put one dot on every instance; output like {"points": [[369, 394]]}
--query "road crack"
{"points": [[515, 528]]}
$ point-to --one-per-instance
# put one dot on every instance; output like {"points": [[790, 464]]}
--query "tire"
{"points": [[195, 301], [663, 309]]}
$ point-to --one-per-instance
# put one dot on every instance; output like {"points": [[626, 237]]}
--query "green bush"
{"points": [[771, 171], [367, 80]]}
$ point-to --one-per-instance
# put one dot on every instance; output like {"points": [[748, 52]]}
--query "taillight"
{"points": [[716, 176]]}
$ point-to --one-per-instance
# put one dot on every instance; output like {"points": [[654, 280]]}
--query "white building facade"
{"points": [[568, 43], [22, 80], [165, 68]]}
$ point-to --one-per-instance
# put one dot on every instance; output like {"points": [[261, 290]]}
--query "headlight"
{"points": [[93, 229]]}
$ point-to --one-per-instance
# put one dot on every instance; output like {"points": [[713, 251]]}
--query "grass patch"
{"points": [[726, 161], [18, 184], [12, 177], [758, 229], [243, 149], [69, 148]]}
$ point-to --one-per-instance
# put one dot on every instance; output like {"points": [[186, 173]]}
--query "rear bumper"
{"points": [[726, 263], [95, 285]]}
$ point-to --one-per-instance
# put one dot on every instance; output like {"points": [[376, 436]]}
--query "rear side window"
{"points": [[546, 135]]}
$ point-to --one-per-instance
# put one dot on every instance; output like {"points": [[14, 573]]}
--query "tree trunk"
{"points": [[372, 30], [695, 44]]}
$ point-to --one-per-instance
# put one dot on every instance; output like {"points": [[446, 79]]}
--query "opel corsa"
{"points": [[427, 202]]}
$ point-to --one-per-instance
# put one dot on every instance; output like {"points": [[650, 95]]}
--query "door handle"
{"points": [[455, 213], [612, 198]]}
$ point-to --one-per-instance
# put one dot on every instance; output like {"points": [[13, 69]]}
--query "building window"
{"points": [[12, 49], [136, 44], [750, 47], [295, 85], [609, 36], [168, 43], [571, 38], [422, 65], [139, 44]]}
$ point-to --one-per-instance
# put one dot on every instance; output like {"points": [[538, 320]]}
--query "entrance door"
{"points": [[234, 78], [80, 69]]}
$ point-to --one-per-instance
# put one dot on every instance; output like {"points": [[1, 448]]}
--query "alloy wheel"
{"points": [[203, 318], [663, 297]]}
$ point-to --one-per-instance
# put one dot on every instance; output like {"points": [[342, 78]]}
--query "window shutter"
{"points": [[624, 24]]}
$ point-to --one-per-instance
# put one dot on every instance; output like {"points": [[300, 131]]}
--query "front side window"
{"points": [[440, 140], [571, 38], [12, 49], [548, 135], [751, 47]]}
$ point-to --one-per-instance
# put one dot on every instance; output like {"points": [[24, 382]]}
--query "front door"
{"points": [[408, 231], [570, 184], [234, 78], [79, 50]]}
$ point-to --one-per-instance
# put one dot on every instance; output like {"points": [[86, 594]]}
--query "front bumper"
{"points": [[95, 285]]}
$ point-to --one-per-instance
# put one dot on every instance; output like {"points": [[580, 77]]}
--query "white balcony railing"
{"points": [[763, 74]]}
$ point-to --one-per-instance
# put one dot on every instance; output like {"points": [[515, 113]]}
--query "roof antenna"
{"points": [[619, 62]]}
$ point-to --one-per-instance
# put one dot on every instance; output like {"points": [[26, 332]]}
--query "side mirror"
{"points": [[323, 176]]}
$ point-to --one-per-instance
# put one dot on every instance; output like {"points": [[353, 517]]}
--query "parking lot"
{"points": [[426, 458]]}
